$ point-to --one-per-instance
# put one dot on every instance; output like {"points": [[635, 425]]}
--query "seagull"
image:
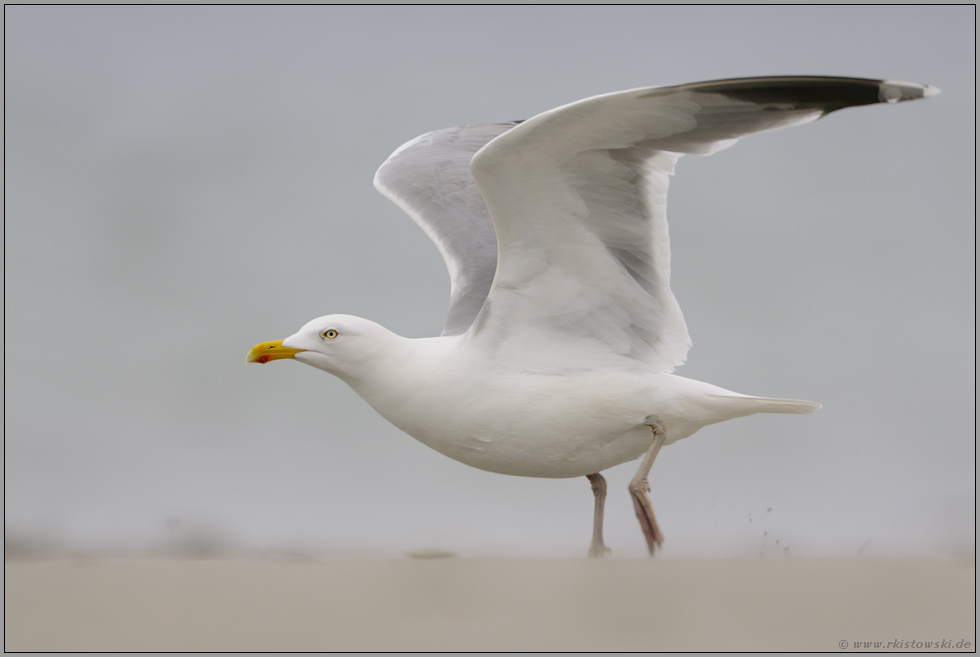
{"points": [[557, 355]]}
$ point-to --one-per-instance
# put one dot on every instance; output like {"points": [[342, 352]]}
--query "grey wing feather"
{"points": [[429, 178]]}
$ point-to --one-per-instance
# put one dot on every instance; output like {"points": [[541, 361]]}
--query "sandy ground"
{"points": [[487, 604]]}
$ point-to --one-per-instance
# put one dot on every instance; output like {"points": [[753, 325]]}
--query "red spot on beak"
{"points": [[262, 359]]}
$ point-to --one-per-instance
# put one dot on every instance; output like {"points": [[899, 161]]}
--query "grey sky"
{"points": [[184, 182]]}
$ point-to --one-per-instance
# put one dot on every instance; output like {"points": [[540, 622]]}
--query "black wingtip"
{"points": [[815, 92]]}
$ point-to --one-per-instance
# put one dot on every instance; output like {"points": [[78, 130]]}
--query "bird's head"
{"points": [[340, 344]]}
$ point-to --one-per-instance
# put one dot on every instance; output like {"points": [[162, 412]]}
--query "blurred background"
{"points": [[182, 183]]}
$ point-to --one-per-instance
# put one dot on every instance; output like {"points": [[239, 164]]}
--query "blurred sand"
{"points": [[485, 604]]}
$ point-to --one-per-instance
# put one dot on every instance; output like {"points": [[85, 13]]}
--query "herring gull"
{"points": [[557, 354]]}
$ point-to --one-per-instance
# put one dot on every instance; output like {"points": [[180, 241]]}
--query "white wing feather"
{"points": [[578, 201]]}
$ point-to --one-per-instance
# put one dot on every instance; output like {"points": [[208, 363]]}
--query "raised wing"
{"points": [[578, 199], [429, 178]]}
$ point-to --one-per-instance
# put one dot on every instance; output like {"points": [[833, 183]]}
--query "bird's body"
{"points": [[556, 423], [557, 355]]}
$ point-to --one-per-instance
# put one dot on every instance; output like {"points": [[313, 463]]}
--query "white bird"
{"points": [[557, 354]]}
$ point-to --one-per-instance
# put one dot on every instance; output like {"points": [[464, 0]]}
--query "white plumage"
{"points": [[562, 333]]}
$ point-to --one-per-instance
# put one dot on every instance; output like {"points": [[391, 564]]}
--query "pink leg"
{"points": [[639, 487], [598, 549]]}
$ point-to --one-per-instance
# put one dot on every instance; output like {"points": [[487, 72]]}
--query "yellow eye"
{"points": [[330, 334]]}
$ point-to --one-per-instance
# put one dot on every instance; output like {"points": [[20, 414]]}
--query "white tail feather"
{"points": [[751, 405]]}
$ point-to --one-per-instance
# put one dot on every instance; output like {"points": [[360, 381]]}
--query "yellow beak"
{"points": [[266, 351]]}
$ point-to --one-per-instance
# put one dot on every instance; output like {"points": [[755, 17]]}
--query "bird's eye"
{"points": [[330, 334]]}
